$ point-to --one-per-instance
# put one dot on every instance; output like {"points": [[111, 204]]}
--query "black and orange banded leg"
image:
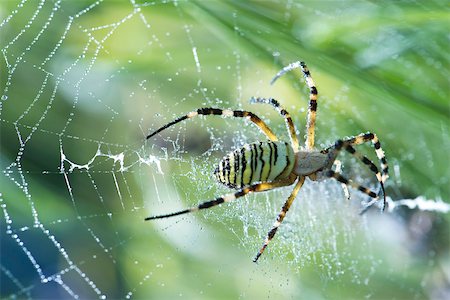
{"points": [[366, 137], [312, 108], [342, 179], [347, 145], [280, 217], [338, 168], [259, 187], [345, 181], [206, 111], [284, 113]]}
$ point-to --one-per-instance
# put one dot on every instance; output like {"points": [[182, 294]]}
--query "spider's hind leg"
{"points": [[258, 187], [207, 111]]}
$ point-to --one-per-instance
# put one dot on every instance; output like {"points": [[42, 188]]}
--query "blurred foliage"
{"points": [[120, 73]]}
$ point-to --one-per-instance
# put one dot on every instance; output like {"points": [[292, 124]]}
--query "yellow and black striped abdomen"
{"points": [[257, 162]]}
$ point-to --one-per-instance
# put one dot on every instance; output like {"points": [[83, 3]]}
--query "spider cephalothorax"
{"points": [[263, 166]]}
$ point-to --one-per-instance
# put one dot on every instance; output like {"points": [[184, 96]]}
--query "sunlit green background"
{"points": [[81, 77]]}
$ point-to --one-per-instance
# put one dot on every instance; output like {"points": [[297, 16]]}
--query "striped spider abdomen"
{"points": [[256, 162]]}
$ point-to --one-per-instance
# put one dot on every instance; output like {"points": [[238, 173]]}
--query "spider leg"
{"points": [[280, 217], [289, 124], [342, 179], [366, 137], [222, 112], [337, 163], [259, 187], [368, 163], [312, 108], [363, 138]]}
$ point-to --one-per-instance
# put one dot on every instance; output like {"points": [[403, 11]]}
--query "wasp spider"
{"points": [[263, 166]]}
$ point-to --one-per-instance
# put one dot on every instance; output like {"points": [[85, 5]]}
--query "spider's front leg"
{"points": [[347, 145], [338, 168]]}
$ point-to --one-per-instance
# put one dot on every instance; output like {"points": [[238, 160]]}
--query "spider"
{"points": [[263, 166]]}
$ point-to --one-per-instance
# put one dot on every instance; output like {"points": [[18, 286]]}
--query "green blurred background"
{"points": [[84, 82]]}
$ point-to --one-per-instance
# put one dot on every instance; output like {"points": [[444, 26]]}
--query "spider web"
{"points": [[83, 83]]}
